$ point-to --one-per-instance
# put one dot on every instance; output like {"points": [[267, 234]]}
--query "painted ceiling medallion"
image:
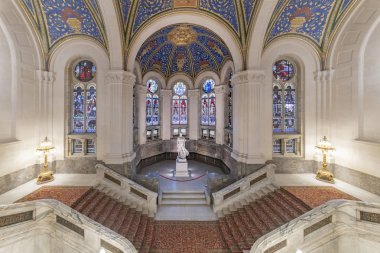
{"points": [[182, 35]]}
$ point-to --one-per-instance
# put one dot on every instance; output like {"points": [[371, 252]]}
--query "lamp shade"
{"points": [[324, 144], [45, 145]]}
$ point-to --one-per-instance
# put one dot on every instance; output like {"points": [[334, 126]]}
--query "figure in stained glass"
{"points": [[85, 71], [179, 104], [91, 109]]}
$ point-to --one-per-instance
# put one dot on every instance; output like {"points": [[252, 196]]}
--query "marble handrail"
{"points": [[132, 191], [238, 191], [332, 219], [52, 215]]}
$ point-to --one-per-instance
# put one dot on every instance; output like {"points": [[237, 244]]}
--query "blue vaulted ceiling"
{"points": [[205, 52], [56, 20], [313, 20]]}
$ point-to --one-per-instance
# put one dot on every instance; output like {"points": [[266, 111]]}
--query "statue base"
{"points": [[181, 168]]}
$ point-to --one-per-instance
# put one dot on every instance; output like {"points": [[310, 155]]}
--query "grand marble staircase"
{"points": [[114, 213], [267, 211]]}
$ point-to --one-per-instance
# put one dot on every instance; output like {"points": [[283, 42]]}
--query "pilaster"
{"points": [[119, 128], [165, 99], [45, 105], [194, 101], [323, 80], [220, 93], [249, 125], [141, 114]]}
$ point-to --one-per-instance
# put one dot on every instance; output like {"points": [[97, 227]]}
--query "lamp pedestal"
{"points": [[45, 175], [323, 174]]}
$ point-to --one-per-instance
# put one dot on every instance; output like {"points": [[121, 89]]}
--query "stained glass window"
{"points": [[179, 104], [78, 109], [283, 70], [152, 104], [84, 99], [85, 71], [284, 104], [208, 104], [229, 102]]}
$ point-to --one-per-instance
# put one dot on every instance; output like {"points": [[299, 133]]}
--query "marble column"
{"points": [[119, 126], [165, 97], [248, 118], [323, 80], [141, 112], [194, 101], [45, 105], [220, 93]]}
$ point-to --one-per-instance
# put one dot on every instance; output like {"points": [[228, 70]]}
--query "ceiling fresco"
{"points": [[312, 20], [56, 20], [183, 48], [135, 14], [315, 21]]}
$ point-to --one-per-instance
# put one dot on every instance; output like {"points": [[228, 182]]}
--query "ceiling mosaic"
{"points": [[134, 14], [57, 20], [183, 48], [313, 20]]}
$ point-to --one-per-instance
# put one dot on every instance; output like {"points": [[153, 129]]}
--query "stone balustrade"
{"points": [[49, 226], [133, 193], [337, 226], [240, 190]]}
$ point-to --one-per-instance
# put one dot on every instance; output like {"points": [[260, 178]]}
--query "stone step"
{"points": [[184, 202], [183, 196]]}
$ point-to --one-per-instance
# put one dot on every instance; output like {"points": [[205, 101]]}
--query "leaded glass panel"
{"points": [[291, 146], [91, 109], [212, 109], [152, 86], [78, 109], [156, 111], [283, 70], [175, 110], [85, 71], [183, 114], [179, 88], [229, 103], [149, 112], [204, 110], [209, 86]]}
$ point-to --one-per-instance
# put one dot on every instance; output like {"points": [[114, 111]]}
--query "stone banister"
{"points": [[69, 228], [320, 226], [239, 190], [129, 190]]}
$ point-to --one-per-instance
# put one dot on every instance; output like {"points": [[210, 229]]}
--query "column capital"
{"points": [[166, 93], [141, 89], [44, 76], [324, 75], [248, 76], [220, 89], [194, 93], [120, 77]]}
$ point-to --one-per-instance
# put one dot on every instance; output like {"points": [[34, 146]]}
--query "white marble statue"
{"points": [[181, 149]]}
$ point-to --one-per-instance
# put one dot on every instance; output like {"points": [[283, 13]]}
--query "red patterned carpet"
{"points": [[315, 196], [233, 233], [187, 237], [68, 195]]}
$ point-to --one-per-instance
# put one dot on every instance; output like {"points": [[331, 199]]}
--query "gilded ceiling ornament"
{"points": [[182, 35]]}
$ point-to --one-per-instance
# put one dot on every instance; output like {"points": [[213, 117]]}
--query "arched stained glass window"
{"points": [[208, 104], [284, 107], [229, 102], [179, 104], [152, 104], [83, 110], [84, 99]]}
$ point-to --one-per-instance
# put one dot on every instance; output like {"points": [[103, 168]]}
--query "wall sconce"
{"points": [[45, 175], [323, 173]]}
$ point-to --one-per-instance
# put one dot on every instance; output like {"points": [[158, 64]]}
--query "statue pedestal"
{"points": [[181, 168]]}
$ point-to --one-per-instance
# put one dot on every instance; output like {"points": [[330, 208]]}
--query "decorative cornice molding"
{"points": [[248, 77], [120, 77]]}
